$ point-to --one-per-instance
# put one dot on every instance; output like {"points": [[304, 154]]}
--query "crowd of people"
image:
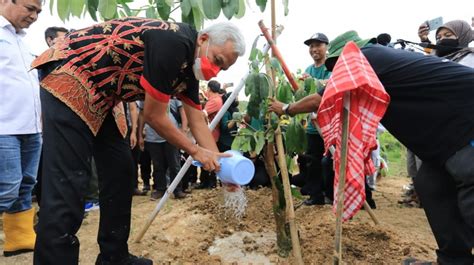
{"points": [[120, 101]]}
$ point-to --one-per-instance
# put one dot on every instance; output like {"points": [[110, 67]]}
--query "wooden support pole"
{"points": [[290, 211], [337, 259]]}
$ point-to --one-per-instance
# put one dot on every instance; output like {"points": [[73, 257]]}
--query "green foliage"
{"points": [[394, 154], [212, 8], [164, 8], [193, 12], [261, 4], [295, 137], [107, 8]]}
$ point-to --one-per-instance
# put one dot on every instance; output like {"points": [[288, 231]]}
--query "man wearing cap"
{"points": [[317, 43], [431, 114]]}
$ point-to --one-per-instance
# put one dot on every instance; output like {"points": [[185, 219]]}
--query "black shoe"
{"points": [[314, 201], [156, 194], [138, 192], [179, 195], [304, 190], [129, 260]]}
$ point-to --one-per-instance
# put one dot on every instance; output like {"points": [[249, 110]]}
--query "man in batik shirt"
{"points": [[84, 79]]}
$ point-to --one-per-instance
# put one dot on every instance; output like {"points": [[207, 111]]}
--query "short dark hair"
{"points": [[52, 32], [215, 86]]}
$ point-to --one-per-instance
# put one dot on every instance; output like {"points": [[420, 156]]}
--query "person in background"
{"points": [[384, 39], [213, 105], [160, 59], [452, 41], [165, 156], [314, 183], [430, 113], [54, 34], [228, 125], [20, 125]]}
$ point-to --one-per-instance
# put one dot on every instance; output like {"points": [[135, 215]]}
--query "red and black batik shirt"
{"points": [[119, 60]]}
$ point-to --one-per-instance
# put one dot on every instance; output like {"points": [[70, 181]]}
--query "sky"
{"points": [[369, 18]]}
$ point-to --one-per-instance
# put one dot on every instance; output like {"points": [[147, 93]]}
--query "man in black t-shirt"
{"points": [[431, 113], [85, 79]]}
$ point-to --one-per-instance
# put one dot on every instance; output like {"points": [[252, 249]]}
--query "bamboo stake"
{"points": [[337, 259], [290, 211]]}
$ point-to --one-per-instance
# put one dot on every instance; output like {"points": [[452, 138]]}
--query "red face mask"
{"points": [[203, 68]]}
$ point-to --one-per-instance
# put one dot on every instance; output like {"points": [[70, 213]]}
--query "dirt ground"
{"points": [[196, 231]]}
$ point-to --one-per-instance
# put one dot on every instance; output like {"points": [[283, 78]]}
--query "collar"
{"points": [[4, 23]]}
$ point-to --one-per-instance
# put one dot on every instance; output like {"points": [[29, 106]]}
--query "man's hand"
{"points": [[275, 106], [423, 32], [141, 143], [208, 158], [133, 140]]}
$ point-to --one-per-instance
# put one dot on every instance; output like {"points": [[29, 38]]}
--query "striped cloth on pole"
{"points": [[368, 103]]}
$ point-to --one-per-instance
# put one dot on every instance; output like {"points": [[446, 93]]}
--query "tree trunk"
{"points": [[279, 204]]}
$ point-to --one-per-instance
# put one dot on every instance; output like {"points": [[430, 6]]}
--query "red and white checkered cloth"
{"points": [[368, 102]]}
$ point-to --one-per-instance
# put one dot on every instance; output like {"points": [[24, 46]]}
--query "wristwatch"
{"points": [[286, 109]]}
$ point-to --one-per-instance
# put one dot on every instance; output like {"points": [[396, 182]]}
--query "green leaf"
{"points": [[284, 93], [236, 143], [250, 83], [259, 137], [51, 6], [127, 10], [189, 19], [122, 13], [230, 8], [285, 4], [262, 4], [275, 64], [241, 11], [296, 193], [150, 12], [300, 93], [76, 7], [92, 6], [63, 9], [198, 17], [263, 85], [163, 9], [212, 8], [185, 7], [107, 8]]}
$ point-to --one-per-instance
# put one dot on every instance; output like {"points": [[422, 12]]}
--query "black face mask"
{"points": [[446, 46]]}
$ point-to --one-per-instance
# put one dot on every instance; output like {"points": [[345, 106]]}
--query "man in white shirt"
{"points": [[20, 126]]}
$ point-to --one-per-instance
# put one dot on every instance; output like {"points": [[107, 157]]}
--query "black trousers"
{"points": [[447, 196], [68, 148], [164, 156], [314, 177], [145, 166]]}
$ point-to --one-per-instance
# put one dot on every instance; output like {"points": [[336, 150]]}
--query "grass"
{"points": [[394, 153]]}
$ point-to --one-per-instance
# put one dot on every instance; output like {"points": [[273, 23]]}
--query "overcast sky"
{"points": [[369, 17]]}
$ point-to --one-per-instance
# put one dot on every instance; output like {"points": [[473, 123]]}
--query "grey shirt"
{"points": [[151, 135]]}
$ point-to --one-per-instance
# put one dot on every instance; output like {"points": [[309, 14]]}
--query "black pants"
{"points": [[164, 157], [314, 178], [145, 166], [447, 195], [68, 148]]}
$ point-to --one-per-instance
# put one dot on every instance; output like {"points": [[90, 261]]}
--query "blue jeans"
{"points": [[19, 160]]}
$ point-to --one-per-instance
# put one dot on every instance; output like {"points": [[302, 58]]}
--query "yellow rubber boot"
{"points": [[19, 234]]}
